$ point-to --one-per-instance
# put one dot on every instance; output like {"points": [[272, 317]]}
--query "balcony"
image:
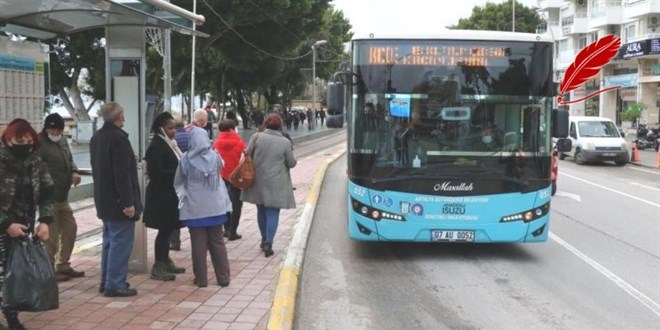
{"points": [[637, 8], [551, 4], [554, 30], [643, 37], [574, 24], [607, 12], [565, 59]]}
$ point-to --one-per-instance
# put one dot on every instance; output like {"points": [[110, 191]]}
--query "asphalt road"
{"points": [[600, 269]]}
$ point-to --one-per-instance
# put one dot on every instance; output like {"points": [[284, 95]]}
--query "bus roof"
{"points": [[463, 35]]}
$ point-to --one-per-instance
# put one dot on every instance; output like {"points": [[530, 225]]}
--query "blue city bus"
{"points": [[449, 136]]}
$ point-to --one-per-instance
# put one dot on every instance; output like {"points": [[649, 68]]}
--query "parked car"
{"points": [[596, 139]]}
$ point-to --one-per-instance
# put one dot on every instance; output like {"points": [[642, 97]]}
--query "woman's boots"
{"points": [[172, 268], [12, 320], [159, 272], [268, 249]]}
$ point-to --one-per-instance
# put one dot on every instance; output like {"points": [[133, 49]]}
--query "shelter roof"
{"points": [[46, 19]]}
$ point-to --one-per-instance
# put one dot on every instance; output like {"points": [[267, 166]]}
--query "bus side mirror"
{"points": [[564, 145], [335, 98], [559, 123], [335, 102]]}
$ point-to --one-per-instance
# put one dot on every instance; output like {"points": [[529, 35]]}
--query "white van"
{"points": [[596, 139]]}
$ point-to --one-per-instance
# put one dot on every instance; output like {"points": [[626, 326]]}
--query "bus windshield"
{"points": [[424, 104]]}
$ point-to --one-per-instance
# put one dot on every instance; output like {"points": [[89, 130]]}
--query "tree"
{"points": [[255, 46], [75, 56], [497, 17]]}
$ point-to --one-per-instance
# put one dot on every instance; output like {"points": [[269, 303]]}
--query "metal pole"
{"points": [[313, 76], [513, 15], [192, 68], [167, 70]]}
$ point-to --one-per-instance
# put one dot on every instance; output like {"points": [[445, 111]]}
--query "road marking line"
{"points": [[644, 186], [612, 190], [633, 167], [646, 301], [569, 195]]}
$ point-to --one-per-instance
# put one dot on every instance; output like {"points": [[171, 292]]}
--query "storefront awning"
{"points": [[46, 19]]}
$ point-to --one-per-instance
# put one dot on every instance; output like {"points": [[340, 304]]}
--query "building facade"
{"points": [[574, 24]]}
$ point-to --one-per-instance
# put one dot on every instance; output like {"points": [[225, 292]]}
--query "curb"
{"points": [[283, 309]]}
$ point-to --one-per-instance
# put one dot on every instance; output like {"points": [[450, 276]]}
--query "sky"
{"points": [[388, 17]]}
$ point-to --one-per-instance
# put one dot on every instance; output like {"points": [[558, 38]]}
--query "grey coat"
{"points": [[273, 157]]}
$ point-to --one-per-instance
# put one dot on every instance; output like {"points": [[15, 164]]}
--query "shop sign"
{"points": [[628, 94], [623, 80], [640, 48]]}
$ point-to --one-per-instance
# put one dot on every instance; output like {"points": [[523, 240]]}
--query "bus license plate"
{"points": [[452, 235]]}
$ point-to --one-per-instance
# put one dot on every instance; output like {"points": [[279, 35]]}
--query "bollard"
{"points": [[635, 153]]}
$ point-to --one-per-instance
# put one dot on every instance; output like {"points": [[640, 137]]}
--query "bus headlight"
{"points": [[529, 215], [374, 213]]}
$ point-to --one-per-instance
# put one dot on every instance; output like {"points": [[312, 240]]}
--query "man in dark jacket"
{"points": [[117, 198], [56, 154]]}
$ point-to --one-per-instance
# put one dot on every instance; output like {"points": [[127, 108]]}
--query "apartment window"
{"points": [[630, 32], [582, 42], [593, 36]]}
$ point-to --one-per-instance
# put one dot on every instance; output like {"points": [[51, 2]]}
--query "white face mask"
{"points": [[487, 139], [55, 138]]}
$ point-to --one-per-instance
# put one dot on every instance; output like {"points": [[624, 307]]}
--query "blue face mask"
{"points": [[487, 139]]}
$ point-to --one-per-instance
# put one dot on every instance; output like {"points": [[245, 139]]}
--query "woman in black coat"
{"points": [[161, 209]]}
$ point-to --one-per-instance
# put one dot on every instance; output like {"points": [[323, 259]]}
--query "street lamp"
{"points": [[316, 44]]}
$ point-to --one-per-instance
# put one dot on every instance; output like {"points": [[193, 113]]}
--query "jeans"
{"points": [[268, 218], [118, 238]]}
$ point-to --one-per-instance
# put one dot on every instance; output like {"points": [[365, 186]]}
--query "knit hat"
{"points": [[54, 120]]}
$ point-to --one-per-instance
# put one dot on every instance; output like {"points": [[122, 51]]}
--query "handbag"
{"points": [[243, 175], [30, 283]]}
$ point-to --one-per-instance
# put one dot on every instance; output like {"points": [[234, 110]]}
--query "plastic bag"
{"points": [[30, 283]]}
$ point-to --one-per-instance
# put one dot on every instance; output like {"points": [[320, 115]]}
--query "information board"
{"points": [[22, 82]]}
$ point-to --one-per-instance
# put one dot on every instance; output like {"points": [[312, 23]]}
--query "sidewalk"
{"points": [[647, 157], [244, 304]]}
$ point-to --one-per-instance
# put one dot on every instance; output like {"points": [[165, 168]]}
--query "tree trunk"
{"points": [[67, 104], [241, 108], [78, 104]]}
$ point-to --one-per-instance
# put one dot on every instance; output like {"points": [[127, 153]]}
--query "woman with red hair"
{"points": [[26, 186], [272, 190]]}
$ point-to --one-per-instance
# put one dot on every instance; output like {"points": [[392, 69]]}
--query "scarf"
{"points": [[173, 146], [201, 163]]}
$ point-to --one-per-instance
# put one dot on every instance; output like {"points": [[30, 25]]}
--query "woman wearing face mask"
{"points": [[161, 203], [26, 188]]}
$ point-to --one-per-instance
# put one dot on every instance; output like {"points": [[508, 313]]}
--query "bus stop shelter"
{"points": [[126, 23]]}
